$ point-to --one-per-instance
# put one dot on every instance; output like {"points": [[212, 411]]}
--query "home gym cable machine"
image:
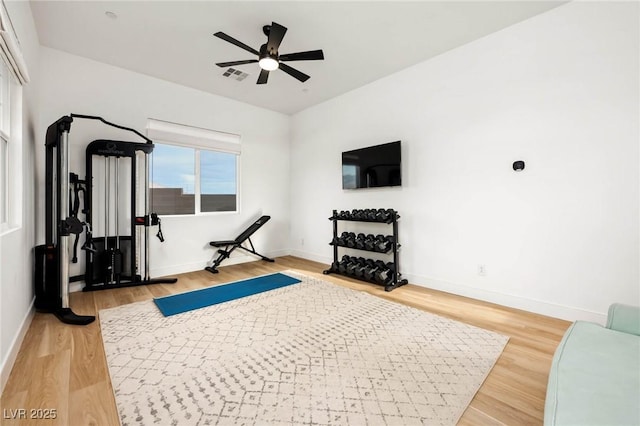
{"points": [[111, 261]]}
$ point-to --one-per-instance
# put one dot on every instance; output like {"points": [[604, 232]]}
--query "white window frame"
{"points": [[13, 75], [8, 151], [4, 182], [198, 139]]}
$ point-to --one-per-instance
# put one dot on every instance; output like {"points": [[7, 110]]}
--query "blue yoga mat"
{"points": [[179, 303]]}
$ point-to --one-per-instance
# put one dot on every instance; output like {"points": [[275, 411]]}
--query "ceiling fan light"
{"points": [[268, 63]]}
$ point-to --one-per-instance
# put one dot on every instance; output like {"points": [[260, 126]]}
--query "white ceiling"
{"points": [[362, 40]]}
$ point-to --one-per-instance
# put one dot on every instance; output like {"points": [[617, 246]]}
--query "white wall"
{"points": [[559, 91], [72, 84], [16, 246]]}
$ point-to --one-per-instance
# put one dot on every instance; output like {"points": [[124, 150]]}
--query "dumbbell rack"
{"points": [[391, 220]]}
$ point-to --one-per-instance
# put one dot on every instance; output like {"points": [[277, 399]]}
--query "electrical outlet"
{"points": [[482, 270]]}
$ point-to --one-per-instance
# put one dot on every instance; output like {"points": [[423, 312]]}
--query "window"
{"points": [[193, 170], [13, 74], [5, 127], [4, 187], [173, 177], [218, 183]]}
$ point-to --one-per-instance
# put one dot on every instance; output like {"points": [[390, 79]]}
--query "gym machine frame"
{"points": [[106, 265], [52, 259], [393, 220]]}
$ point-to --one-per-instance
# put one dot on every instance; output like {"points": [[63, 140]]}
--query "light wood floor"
{"points": [[63, 367]]}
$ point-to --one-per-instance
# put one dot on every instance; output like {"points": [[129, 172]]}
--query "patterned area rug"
{"points": [[310, 353]]}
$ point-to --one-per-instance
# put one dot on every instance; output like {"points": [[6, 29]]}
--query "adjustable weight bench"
{"points": [[231, 245]]}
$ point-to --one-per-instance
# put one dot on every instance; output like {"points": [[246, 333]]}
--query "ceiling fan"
{"points": [[268, 57]]}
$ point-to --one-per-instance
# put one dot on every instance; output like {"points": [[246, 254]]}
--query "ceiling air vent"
{"points": [[235, 74]]}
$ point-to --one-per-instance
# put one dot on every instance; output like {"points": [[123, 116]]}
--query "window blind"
{"points": [[195, 137], [10, 47]]}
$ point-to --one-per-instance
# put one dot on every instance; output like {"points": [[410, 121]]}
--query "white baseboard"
{"points": [[194, 266], [569, 313], [197, 266], [76, 286], [12, 354], [177, 269]]}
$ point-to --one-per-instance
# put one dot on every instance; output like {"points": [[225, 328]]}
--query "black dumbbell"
{"points": [[344, 214], [360, 241], [370, 242], [350, 268], [342, 239], [381, 215], [360, 269], [371, 214], [384, 244], [379, 266], [385, 275], [342, 266], [391, 239], [352, 265], [371, 269], [379, 243], [350, 240], [392, 213]]}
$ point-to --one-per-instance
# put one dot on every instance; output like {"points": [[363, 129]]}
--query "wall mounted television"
{"points": [[372, 167]]}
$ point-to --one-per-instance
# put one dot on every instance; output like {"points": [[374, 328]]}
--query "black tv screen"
{"points": [[372, 167]]}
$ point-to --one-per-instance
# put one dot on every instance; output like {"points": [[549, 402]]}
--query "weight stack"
{"points": [[47, 288]]}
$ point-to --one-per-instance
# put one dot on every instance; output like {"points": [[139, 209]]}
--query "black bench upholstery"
{"points": [[231, 245]]}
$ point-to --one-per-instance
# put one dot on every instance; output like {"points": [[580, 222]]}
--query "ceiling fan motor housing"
{"points": [[264, 53]]}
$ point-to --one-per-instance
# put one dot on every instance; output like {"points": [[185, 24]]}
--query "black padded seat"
{"points": [[231, 245]]}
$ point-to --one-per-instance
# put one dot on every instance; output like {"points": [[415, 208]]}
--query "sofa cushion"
{"points": [[624, 318], [594, 378]]}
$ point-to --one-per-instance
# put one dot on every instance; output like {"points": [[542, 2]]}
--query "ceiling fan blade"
{"points": [[264, 76], [233, 63], [276, 34], [311, 55], [294, 72], [240, 44]]}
